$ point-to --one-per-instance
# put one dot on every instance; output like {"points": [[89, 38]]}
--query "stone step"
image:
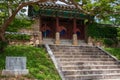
{"points": [[87, 63], [80, 67], [82, 56], [66, 41], [93, 76], [90, 71], [74, 50], [48, 39], [72, 47], [89, 56], [79, 53], [85, 59], [106, 79]]}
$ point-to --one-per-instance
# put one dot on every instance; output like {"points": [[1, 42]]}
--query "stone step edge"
{"points": [[63, 51], [88, 61], [86, 58], [92, 70], [91, 75], [80, 54], [108, 79], [61, 45], [83, 58], [90, 65]]}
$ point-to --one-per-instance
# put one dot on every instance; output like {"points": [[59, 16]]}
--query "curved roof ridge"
{"points": [[57, 5], [59, 2]]}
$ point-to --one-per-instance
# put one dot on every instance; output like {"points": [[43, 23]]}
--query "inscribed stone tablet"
{"points": [[15, 63]]}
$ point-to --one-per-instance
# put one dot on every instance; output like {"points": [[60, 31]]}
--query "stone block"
{"points": [[15, 66], [57, 40], [75, 41]]}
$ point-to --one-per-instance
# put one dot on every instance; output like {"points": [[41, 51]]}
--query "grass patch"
{"points": [[114, 51], [38, 62]]}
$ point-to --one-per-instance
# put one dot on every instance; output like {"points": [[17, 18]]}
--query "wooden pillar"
{"points": [[74, 26], [57, 35], [57, 24], [75, 41]]}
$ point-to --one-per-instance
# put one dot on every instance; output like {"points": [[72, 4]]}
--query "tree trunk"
{"points": [[3, 41]]}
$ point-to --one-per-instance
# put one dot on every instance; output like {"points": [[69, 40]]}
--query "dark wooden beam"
{"points": [[57, 24]]}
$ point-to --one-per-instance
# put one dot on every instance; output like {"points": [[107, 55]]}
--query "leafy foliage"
{"points": [[114, 51], [38, 62], [19, 24], [118, 33], [101, 31], [108, 42], [17, 37], [3, 45], [7, 7], [102, 10]]}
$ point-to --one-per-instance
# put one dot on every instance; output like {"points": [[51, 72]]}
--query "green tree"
{"points": [[101, 9], [9, 9], [118, 33], [104, 10]]}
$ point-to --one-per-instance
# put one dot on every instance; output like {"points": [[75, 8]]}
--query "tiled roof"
{"points": [[60, 10], [51, 5]]}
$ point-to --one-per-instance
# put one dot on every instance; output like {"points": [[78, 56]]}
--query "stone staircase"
{"points": [[85, 63], [62, 41]]}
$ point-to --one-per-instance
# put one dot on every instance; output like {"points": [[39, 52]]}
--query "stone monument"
{"points": [[15, 66]]}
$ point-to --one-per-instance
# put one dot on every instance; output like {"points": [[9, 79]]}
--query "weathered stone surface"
{"points": [[75, 40], [85, 63], [40, 37], [15, 66], [90, 41], [57, 40]]}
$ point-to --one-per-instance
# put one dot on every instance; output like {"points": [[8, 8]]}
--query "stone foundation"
{"points": [[75, 40], [15, 66], [57, 38], [14, 72], [90, 41]]}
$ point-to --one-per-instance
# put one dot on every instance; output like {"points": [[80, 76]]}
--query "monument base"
{"points": [[14, 72]]}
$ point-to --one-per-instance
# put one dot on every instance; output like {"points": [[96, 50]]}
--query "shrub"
{"points": [[17, 37], [118, 33], [106, 33], [19, 24], [3, 44], [108, 42], [101, 31]]}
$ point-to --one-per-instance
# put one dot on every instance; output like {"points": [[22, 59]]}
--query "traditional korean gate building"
{"points": [[59, 21]]}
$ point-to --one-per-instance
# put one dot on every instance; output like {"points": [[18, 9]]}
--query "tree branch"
{"points": [[79, 7], [10, 19]]}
